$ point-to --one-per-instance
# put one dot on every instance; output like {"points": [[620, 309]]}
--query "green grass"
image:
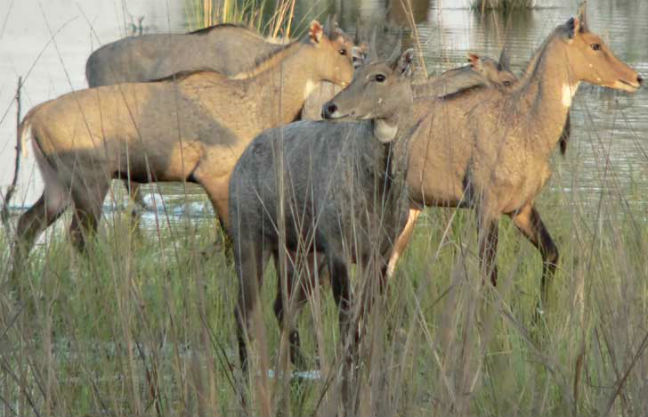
{"points": [[144, 325], [271, 18]]}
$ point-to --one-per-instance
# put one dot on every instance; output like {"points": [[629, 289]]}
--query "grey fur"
{"points": [[228, 49], [344, 193], [328, 165]]}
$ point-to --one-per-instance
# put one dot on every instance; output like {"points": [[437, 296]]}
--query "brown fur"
{"points": [[192, 130], [490, 148], [482, 72]]}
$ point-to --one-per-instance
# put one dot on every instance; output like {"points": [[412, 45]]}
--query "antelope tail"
{"points": [[25, 133]]}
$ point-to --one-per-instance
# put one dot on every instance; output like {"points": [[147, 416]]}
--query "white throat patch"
{"points": [[568, 92], [310, 87], [383, 131]]}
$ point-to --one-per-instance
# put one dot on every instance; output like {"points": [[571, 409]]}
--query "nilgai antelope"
{"points": [[481, 72], [334, 190], [325, 91], [489, 149], [226, 48], [192, 129]]}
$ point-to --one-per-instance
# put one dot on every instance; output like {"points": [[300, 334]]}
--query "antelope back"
{"points": [[494, 72]]}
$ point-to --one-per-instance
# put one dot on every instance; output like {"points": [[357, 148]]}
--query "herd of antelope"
{"points": [[316, 195]]}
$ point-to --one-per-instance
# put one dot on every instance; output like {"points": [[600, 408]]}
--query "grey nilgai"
{"points": [[328, 190]]}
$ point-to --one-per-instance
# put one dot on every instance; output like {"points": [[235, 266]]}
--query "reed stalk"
{"points": [[505, 5]]}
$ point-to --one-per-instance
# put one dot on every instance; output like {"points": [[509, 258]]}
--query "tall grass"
{"points": [[145, 325], [256, 14]]}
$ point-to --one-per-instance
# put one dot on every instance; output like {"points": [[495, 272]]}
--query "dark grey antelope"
{"points": [[329, 190], [489, 149], [192, 129], [226, 48]]}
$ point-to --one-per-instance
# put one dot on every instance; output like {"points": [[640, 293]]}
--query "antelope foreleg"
{"points": [[528, 221], [488, 233], [402, 241]]}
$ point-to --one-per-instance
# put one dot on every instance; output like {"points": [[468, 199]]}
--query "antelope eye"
{"points": [[379, 77], [342, 51], [596, 46], [507, 83]]}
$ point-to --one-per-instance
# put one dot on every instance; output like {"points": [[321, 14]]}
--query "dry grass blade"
{"points": [[622, 381], [4, 214]]}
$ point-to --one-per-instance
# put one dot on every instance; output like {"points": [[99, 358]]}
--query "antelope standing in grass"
{"points": [[489, 149], [193, 129], [226, 48], [481, 72], [342, 194]]}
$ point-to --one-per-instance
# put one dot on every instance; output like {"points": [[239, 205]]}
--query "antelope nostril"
{"points": [[639, 79]]}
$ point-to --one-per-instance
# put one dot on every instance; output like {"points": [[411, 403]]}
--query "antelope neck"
{"points": [[547, 98], [290, 83]]}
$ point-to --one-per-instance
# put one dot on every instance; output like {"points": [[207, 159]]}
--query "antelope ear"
{"points": [[372, 53], [358, 56], [474, 61], [582, 16], [405, 63], [573, 27], [315, 32], [504, 60], [356, 38], [331, 27]]}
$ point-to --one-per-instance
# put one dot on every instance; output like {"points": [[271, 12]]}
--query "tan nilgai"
{"points": [[225, 48], [482, 72], [192, 130], [489, 149]]}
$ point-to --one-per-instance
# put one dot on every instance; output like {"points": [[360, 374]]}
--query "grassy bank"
{"points": [[145, 325]]}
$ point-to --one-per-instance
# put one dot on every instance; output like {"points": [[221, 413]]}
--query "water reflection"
{"points": [[607, 154], [403, 12]]}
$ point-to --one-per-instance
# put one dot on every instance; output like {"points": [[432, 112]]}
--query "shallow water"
{"points": [[607, 155]]}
